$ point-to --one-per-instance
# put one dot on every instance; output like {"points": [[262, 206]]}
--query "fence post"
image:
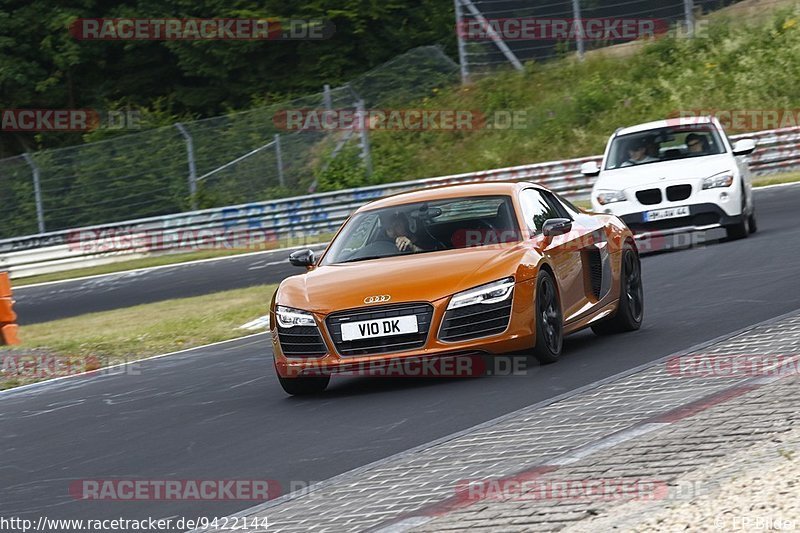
{"points": [[577, 24], [279, 158], [498, 41], [463, 61], [688, 9], [363, 127], [37, 191], [192, 168], [326, 98]]}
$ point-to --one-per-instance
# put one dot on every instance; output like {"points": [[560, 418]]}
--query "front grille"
{"points": [[379, 345], [301, 341], [649, 196], [595, 271], [474, 321], [676, 193]]}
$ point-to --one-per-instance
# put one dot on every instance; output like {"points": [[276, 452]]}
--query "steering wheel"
{"points": [[487, 225]]}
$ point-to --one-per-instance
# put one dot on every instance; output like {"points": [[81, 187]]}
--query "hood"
{"points": [[683, 170], [407, 278]]}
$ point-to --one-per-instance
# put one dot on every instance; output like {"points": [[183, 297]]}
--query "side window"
{"points": [[557, 204], [536, 209]]}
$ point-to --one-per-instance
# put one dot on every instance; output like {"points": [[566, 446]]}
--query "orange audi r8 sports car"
{"points": [[480, 269]]}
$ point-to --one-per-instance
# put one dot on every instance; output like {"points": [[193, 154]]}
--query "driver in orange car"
{"points": [[397, 229]]}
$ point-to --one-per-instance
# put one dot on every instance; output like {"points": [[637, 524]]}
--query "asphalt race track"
{"points": [[52, 301], [219, 413]]}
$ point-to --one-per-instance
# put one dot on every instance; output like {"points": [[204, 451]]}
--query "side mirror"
{"points": [[744, 147], [590, 169], [556, 226], [302, 258]]}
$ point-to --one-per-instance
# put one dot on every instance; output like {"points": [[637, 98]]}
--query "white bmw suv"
{"points": [[674, 176]]}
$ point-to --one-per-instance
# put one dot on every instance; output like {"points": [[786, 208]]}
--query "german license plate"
{"points": [[669, 212]]}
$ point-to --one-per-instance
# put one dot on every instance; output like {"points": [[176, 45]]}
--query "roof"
{"points": [[666, 123], [482, 188]]}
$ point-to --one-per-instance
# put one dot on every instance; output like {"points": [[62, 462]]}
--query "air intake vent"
{"points": [[475, 321], [595, 271], [301, 341]]}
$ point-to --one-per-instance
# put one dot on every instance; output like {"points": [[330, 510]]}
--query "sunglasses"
{"points": [[693, 144]]}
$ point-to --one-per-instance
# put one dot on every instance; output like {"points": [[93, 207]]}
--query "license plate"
{"points": [[383, 327], [670, 212]]}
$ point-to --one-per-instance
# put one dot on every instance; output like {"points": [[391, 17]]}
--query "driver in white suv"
{"points": [[637, 153]]}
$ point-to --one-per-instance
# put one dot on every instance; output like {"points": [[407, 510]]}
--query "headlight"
{"points": [[608, 197], [288, 317], [494, 292], [724, 179]]}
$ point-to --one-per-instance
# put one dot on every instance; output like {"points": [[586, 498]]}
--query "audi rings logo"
{"points": [[377, 299]]}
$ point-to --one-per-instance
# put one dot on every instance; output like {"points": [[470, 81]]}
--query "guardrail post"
{"points": [[8, 318], [37, 191], [192, 168], [279, 158], [578, 26]]}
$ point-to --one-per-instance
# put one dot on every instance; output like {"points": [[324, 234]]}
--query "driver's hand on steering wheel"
{"points": [[404, 244]]}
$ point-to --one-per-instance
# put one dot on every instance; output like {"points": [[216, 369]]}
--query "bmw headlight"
{"points": [[289, 317], [609, 197], [494, 292], [723, 179]]}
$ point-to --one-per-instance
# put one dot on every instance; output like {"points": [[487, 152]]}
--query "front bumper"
{"points": [[702, 217], [518, 335]]}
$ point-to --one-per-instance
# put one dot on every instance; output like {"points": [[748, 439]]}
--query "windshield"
{"points": [[664, 144], [425, 227]]}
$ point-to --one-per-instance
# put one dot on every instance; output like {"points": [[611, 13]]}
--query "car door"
{"points": [[564, 252]]}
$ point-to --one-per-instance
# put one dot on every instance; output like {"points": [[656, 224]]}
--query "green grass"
{"points": [[125, 335], [161, 260], [776, 179], [572, 107]]}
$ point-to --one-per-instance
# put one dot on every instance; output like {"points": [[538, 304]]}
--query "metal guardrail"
{"points": [[250, 224]]}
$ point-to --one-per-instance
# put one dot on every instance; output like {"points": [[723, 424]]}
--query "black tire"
{"points": [[304, 386], [549, 320], [630, 311], [753, 224], [741, 229]]}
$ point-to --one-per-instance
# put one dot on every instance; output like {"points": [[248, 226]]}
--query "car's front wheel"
{"points": [[549, 320], [745, 226], [303, 386], [630, 311]]}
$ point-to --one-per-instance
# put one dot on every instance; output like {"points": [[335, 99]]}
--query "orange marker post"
{"points": [[8, 318]]}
